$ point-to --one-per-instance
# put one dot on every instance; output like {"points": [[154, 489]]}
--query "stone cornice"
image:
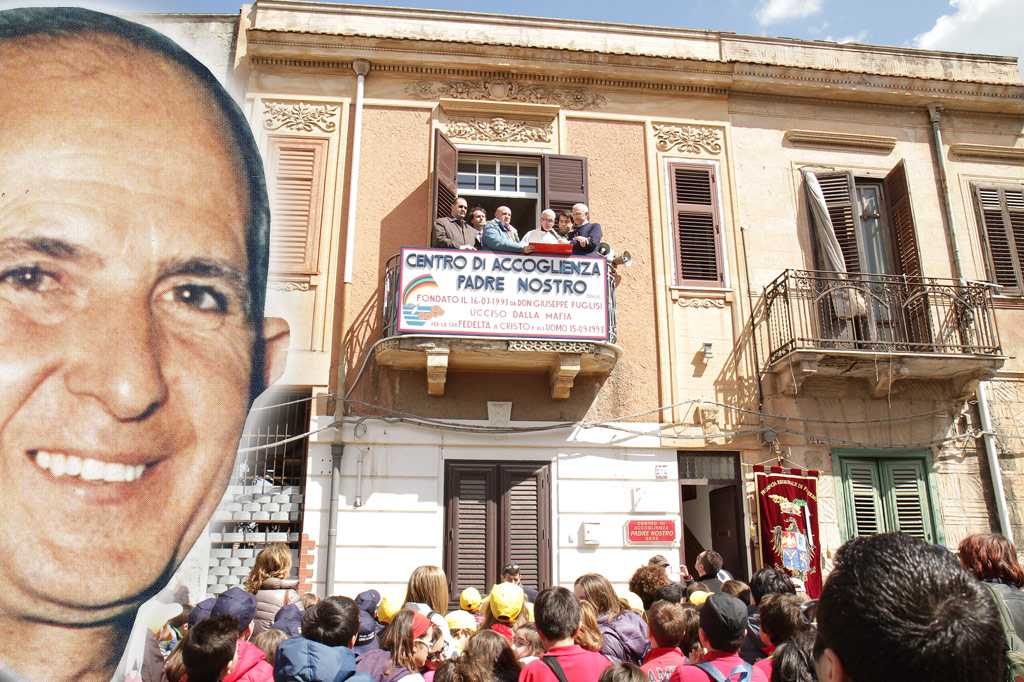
{"points": [[423, 59], [879, 144], [990, 153]]}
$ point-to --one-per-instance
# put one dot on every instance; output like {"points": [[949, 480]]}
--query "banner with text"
{"points": [[478, 293]]}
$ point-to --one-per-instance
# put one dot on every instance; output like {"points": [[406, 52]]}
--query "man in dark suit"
{"points": [[454, 232], [588, 234]]}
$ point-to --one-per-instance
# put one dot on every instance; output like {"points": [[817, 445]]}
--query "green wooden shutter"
{"points": [[905, 498], [863, 504]]}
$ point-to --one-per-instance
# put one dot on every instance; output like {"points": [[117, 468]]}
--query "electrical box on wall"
{"points": [[591, 534]]}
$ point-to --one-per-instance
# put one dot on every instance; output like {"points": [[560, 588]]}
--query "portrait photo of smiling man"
{"points": [[133, 260]]}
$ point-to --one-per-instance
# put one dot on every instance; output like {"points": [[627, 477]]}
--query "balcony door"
{"points": [[881, 305]]}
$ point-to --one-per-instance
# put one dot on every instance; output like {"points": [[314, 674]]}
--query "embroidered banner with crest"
{"points": [[787, 510]]}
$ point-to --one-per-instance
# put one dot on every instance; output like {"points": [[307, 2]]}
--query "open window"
{"points": [[1001, 221], [863, 228], [526, 183]]}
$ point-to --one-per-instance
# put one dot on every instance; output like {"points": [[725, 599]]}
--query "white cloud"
{"points": [[855, 38], [980, 26], [772, 11]]}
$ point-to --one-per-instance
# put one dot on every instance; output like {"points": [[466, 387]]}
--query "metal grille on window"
{"points": [[706, 467], [263, 502]]}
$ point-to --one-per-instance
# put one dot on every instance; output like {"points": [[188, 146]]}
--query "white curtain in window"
{"points": [[848, 302]]}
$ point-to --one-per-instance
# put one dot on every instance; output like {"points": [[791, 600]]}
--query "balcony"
{"points": [[498, 312], [880, 328]]}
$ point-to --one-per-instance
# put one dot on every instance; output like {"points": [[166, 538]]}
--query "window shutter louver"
{"points": [[564, 181], [446, 164], [496, 513], [901, 216], [864, 509], [1001, 214], [697, 226], [906, 498], [522, 506], [840, 198], [296, 186], [471, 527]]}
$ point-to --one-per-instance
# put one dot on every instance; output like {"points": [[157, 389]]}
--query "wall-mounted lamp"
{"points": [[706, 349]]}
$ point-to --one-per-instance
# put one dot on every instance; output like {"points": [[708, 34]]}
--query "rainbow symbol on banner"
{"points": [[421, 282], [417, 315]]}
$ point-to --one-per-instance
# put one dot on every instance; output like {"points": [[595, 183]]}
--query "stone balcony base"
{"points": [[561, 360]]}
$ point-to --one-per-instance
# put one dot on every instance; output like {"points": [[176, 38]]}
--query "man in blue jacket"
{"points": [[499, 235], [588, 234], [324, 652]]}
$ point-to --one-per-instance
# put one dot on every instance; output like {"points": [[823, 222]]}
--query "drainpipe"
{"points": [[361, 67], [991, 454], [337, 449]]}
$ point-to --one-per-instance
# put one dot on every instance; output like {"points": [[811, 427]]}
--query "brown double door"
{"points": [[496, 513]]}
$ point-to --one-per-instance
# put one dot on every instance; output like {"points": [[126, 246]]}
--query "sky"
{"points": [[978, 26]]}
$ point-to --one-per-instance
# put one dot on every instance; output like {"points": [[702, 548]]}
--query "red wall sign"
{"points": [[662, 530]]}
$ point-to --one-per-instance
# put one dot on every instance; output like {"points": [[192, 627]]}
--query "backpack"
{"points": [[744, 670], [1014, 644]]}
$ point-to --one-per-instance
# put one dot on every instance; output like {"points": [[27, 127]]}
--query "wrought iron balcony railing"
{"points": [[812, 310]]}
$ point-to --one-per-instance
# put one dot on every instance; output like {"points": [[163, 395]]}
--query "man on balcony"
{"points": [[499, 235], [588, 235], [453, 231], [545, 234]]}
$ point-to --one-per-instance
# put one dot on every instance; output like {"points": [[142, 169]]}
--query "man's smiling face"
{"points": [[125, 350]]}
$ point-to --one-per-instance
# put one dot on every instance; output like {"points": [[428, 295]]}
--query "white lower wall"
{"points": [[398, 524]]}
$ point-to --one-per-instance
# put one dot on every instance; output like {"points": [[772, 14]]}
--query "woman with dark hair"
{"points": [[625, 632], [646, 581], [992, 559], [488, 657], [406, 647]]}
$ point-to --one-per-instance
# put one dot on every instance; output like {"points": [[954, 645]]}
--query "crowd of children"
{"points": [[664, 631]]}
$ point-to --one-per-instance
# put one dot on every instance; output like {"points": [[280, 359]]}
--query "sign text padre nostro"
{"points": [[480, 293]]}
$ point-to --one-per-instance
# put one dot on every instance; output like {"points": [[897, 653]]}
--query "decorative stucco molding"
{"points": [[288, 286], [551, 346], [300, 116], [701, 303], [986, 152], [506, 90], [688, 139], [847, 141], [498, 129]]}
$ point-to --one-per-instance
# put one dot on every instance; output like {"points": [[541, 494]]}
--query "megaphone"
{"points": [[604, 248], [623, 259]]}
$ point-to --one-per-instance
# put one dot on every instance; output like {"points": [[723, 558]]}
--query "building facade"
{"points": [[827, 273]]}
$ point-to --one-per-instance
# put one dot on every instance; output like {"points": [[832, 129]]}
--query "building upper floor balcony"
{"points": [[477, 311], [879, 328]]}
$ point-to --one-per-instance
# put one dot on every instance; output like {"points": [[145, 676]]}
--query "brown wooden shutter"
{"points": [[564, 181], [446, 164], [297, 169], [697, 225], [496, 513], [1001, 215], [901, 218], [840, 198], [470, 559], [525, 534]]}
